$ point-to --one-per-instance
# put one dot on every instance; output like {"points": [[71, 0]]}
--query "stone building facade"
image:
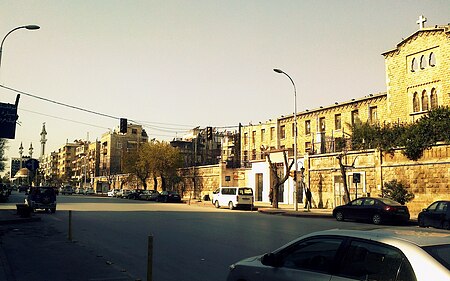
{"points": [[417, 80]]}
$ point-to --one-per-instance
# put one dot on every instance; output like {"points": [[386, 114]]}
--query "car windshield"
{"points": [[245, 191], [389, 202], [441, 253]]}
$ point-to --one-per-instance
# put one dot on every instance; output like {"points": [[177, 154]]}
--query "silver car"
{"points": [[402, 254]]}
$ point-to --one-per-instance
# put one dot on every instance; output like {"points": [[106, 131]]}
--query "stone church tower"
{"points": [[417, 73]]}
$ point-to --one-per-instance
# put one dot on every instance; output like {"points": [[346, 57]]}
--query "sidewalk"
{"points": [[32, 249], [283, 209]]}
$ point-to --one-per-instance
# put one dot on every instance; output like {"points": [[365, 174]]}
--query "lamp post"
{"points": [[295, 136], [29, 27]]}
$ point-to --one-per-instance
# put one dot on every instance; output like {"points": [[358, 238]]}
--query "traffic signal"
{"points": [[123, 125], [209, 133]]}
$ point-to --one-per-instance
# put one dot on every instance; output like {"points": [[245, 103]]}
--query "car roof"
{"points": [[418, 236]]}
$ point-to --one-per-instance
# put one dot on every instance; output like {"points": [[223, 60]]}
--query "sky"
{"points": [[173, 65]]}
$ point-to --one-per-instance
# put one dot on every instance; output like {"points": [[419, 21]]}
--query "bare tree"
{"points": [[343, 169], [279, 180]]}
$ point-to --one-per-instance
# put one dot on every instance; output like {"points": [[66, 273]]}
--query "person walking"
{"points": [[308, 198]]}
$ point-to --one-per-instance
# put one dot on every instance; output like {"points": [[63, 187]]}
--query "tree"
{"points": [[167, 159], [139, 163], [279, 179], [2, 154], [154, 159], [343, 168], [397, 191], [414, 138]]}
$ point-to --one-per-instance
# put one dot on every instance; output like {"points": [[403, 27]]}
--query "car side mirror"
{"points": [[424, 210], [270, 259]]}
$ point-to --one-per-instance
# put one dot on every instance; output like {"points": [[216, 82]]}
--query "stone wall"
{"points": [[428, 178], [196, 182]]}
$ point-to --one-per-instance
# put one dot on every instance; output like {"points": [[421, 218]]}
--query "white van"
{"points": [[233, 197]]}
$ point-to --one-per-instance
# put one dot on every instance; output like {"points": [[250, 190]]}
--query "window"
{"points": [[307, 127], [373, 261], [316, 254], [283, 132], [357, 202], [253, 154], [414, 65], [355, 116], [337, 122], [322, 126], [245, 138], [253, 137], [423, 62], [308, 146], [416, 105], [263, 133], [272, 133], [134, 131], [433, 99], [432, 61], [424, 101], [373, 114]]}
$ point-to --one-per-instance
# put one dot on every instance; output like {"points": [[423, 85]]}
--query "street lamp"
{"points": [[29, 27], [295, 136]]}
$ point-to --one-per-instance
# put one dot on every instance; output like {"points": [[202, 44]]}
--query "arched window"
{"points": [[414, 65], [433, 99], [423, 62], [432, 61], [424, 101], [416, 104]]}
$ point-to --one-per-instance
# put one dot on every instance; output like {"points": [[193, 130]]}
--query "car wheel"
{"points": [[446, 225], [339, 216], [421, 222], [230, 205], [216, 204], [376, 219], [53, 210]]}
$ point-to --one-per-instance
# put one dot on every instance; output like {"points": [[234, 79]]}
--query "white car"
{"points": [[113, 192], [401, 254]]}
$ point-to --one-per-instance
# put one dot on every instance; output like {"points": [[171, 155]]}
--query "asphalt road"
{"points": [[189, 242]]}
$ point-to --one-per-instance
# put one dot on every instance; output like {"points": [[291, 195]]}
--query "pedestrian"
{"points": [[308, 198]]}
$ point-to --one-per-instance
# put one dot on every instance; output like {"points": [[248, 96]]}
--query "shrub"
{"points": [[397, 191]]}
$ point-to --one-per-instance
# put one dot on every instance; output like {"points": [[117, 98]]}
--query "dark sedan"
{"points": [[169, 196], [436, 215], [376, 210]]}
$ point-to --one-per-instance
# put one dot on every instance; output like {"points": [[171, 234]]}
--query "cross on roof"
{"points": [[421, 22]]}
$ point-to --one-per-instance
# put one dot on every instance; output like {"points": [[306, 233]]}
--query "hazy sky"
{"points": [[175, 65]]}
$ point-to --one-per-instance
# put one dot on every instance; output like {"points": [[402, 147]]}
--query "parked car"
{"points": [[112, 192], [67, 190], [23, 188], [89, 191], [376, 210], [134, 194], [169, 196], [125, 193], [375, 254], [80, 190], [233, 197], [149, 195], [42, 197], [436, 215]]}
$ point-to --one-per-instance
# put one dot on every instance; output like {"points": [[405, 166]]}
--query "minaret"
{"points": [[43, 141]]}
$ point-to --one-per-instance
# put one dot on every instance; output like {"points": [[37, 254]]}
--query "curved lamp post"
{"points": [[295, 136], [29, 27]]}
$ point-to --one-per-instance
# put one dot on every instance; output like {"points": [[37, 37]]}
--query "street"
{"points": [[190, 242]]}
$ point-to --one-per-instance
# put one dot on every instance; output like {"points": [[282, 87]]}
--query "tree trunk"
{"points": [[344, 178]]}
